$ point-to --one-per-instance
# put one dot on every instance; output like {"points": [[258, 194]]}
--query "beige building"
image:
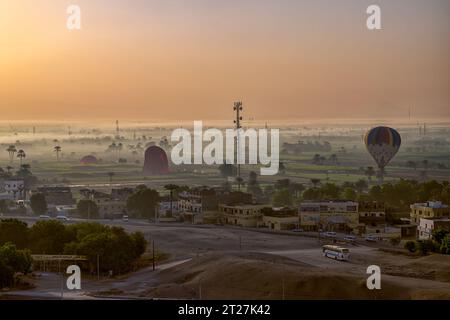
{"points": [[430, 209], [329, 215], [279, 222], [111, 207], [108, 207], [372, 217], [428, 225], [242, 215]]}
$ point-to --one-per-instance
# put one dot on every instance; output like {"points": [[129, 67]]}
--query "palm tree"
{"points": [[116, 148], [370, 172], [25, 167], [171, 188], [21, 154], [112, 147], [315, 182], [110, 175], [296, 188], [424, 173], [334, 159], [316, 159], [239, 181], [361, 185], [11, 151], [412, 164], [119, 148], [282, 168], [57, 149]]}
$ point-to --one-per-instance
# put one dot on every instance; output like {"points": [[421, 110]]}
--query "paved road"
{"points": [[52, 285]]}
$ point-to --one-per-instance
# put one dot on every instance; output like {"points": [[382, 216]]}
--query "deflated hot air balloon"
{"points": [[383, 144]]}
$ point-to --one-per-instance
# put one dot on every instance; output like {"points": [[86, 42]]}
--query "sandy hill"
{"points": [[263, 276]]}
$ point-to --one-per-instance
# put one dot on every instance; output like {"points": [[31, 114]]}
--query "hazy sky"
{"points": [[190, 59]]}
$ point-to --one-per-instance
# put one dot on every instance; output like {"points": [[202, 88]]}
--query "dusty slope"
{"points": [[264, 276], [433, 267]]}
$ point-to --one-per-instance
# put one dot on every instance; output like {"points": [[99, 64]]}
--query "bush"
{"points": [[38, 203], [87, 209], [12, 261], [425, 246], [282, 198], [15, 231], [6, 275], [411, 246], [142, 203], [395, 241], [48, 237], [115, 249]]}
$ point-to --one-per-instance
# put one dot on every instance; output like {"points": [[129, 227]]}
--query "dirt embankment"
{"points": [[264, 276], [432, 267]]}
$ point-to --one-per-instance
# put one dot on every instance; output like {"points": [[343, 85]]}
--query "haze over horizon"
{"points": [[188, 60]]}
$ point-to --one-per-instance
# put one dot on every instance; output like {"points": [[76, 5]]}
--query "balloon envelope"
{"points": [[383, 144], [156, 161]]}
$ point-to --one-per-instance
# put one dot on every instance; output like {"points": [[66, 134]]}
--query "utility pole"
{"points": [[98, 267], [91, 198], [238, 108], [153, 252], [62, 279]]}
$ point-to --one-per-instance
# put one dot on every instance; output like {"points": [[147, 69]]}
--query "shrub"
{"points": [[12, 261], [411, 246], [87, 209], [425, 246], [395, 241]]}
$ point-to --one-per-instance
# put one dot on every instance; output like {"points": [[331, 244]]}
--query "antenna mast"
{"points": [[238, 108]]}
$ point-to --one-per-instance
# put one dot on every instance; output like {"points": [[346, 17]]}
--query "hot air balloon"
{"points": [[156, 162], [383, 144]]}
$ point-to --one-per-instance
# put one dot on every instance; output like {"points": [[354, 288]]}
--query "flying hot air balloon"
{"points": [[383, 144]]}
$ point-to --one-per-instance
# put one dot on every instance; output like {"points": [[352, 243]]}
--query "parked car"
{"points": [[125, 218], [298, 230], [43, 216], [350, 238], [371, 239], [328, 235], [62, 218]]}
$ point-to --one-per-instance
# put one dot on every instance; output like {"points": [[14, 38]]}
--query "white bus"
{"points": [[336, 252]]}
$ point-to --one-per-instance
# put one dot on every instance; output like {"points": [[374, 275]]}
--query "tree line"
{"points": [[398, 195], [115, 249], [439, 243]]}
